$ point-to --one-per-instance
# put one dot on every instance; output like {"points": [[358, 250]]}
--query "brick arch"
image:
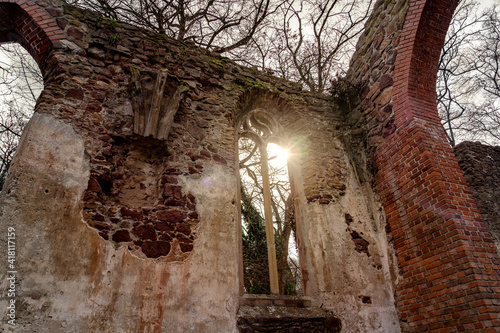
{"points": [[415, 74], [448, 264], [30, 25]]}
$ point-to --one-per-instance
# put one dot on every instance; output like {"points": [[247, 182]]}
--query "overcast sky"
{"points": [[486, 3]]}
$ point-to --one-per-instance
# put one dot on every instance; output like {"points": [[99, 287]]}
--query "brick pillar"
{"points": [[449, 265]]}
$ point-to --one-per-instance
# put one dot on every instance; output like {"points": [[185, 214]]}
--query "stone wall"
{"points": [[372, 70], [124, 192], [481, 167], [286, 319]]}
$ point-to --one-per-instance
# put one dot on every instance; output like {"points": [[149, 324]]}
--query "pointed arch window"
{"points": [[270, 259]]}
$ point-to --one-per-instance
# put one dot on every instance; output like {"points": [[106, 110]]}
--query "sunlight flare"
{"points": [[278, 155]]}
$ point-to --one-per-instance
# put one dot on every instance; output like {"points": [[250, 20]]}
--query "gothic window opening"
{"points": [[270, 256]]}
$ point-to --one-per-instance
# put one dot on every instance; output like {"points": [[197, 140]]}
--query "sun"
{"points": [[278, 155]]}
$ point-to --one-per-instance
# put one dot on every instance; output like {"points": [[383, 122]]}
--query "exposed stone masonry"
{"points": [[118, 203], [361, 244], [481, 167], [286, 319], [135, 195], [371, 70]]}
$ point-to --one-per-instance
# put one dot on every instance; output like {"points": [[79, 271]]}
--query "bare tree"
{"points": [[324, 50], [488, 54], [309, 41], [219, 25], [468, 92], [20, 84], [485, 121]]}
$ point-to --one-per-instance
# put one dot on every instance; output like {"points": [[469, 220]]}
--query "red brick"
{"points": [[439, 236]]}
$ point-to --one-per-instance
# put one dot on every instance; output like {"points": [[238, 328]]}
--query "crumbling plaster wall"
{"points": [[121, 228]]}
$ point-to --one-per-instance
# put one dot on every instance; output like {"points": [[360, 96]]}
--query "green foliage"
{"points": [[252, 84], [113, 39], [290, 289], [154, 39], [246, 84], [255, 265], [179, 81], [112, 22], [218, 63]]}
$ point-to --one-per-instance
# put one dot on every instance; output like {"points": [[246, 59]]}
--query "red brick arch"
{"points": [[30, 25], [422, 39], [449, 266]]}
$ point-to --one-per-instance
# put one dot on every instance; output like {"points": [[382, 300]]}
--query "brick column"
{"points": [[449, 265]]}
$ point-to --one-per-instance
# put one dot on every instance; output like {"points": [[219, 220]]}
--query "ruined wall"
{"points": [[124, 191], [448, 266], [372, 70], [481, 167]]}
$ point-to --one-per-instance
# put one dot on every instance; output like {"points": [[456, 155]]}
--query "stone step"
{"points": [[286, 319], [276, 300]]}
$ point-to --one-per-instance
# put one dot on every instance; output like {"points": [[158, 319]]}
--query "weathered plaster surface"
{"points": [[41, 200], [89, 187], [71, 280], [357, 286]]}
